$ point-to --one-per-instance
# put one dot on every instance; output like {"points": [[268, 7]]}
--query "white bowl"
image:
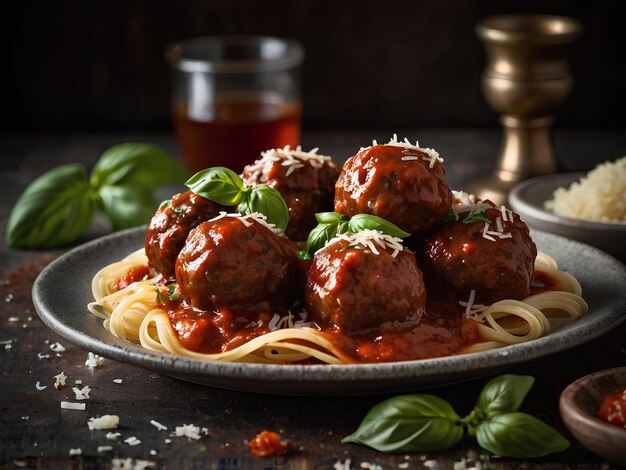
{"points": [[527, 199]]}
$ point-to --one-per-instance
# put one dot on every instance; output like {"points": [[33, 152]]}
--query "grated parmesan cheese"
{"points": [[600, 196], [132, 441], [57, 347], [38, 386], [368, 239], [93, 360], [158, 425], [104, 422], [117, 381], [67, 405], [248, 219], [82, 393], [105, 448], [59, 380], [288, 157], [187, 430], [473, 310], [74, 452], [432, 158], [113, 436]]}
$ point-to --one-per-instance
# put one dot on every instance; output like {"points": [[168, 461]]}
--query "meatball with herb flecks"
{"points": [[487, 249], [399, 182], [305, 180], [364, 281], [170, 226], [238, 262]]}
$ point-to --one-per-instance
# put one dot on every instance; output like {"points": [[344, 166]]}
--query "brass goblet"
{"points": [[526, 80]]}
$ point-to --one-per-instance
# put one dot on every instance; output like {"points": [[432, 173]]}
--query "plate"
{"points": [[63, 289], [527, 200]]}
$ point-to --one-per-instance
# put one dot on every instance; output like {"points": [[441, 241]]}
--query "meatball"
{"points": [[170, 226], [402, 184], [305, 180], [495, 259], [352, 288], [237, 262]]}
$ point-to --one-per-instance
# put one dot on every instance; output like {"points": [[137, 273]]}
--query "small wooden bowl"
{"points": [[580, 402]]}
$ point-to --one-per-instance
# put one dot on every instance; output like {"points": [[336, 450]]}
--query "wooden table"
{"points": [[36, 433]]}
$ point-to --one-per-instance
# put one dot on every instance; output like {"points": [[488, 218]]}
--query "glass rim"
{"points": [[179, 57]]}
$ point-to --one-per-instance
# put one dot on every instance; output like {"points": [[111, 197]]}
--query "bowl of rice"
{"points": [[590, 208]]}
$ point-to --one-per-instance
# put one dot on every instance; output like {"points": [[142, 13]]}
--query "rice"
{"points": [[600, 196]]}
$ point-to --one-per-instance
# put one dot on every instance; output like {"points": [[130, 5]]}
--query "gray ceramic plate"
{"points": [[528, 197], [62, 291]]}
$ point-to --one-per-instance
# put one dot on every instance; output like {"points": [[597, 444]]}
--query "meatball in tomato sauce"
{"points": [[355, 286], [170, 226], [305, 180], [488, 249], [237, 262], [403, 184]]}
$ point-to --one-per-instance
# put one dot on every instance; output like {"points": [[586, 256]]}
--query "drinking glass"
{"points": [[233, 97]]}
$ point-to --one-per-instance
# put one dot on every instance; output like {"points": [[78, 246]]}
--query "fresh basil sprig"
{"points": [[331, 224], [58, 206], [224, 186], [409, 423], [218, 184], [421, 423]]}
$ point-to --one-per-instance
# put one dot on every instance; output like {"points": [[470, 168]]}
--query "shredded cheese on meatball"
{"points": [[433, 155], [248, 219], [368, 239], [288, 157]]}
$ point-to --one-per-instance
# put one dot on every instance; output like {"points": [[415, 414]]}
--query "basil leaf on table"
{"points": [[218, 184], [519, 435], [136, 164], [504, 394], [55, 209], [372, 222], [267, 201], [409, 423], [127, 206]]}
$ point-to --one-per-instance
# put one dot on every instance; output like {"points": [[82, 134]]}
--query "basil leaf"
{"points": [[409, 423], [319, 236], [268, 202], [136, 164], [127, 206], [476, 217], [450, 216], [367, 221], [330, 217], [519, 435], [54, 210], [217, 184], [504, 394], [303, 255]]}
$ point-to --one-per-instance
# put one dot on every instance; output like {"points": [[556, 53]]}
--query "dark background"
{"points": [[98, 65]]}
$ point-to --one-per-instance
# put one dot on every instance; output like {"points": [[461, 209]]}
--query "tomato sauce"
{"points": [[443, 331], [268, 444], [613, 409], [137, 273], [237, 132]]}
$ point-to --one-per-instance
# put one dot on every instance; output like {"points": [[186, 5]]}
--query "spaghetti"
{"points": [[134, 314]]}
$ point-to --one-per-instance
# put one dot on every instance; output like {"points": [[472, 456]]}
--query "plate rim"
{"points": [[424, 368]]}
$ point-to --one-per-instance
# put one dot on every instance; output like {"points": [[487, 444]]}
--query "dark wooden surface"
{"points": [[36, 433]]}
